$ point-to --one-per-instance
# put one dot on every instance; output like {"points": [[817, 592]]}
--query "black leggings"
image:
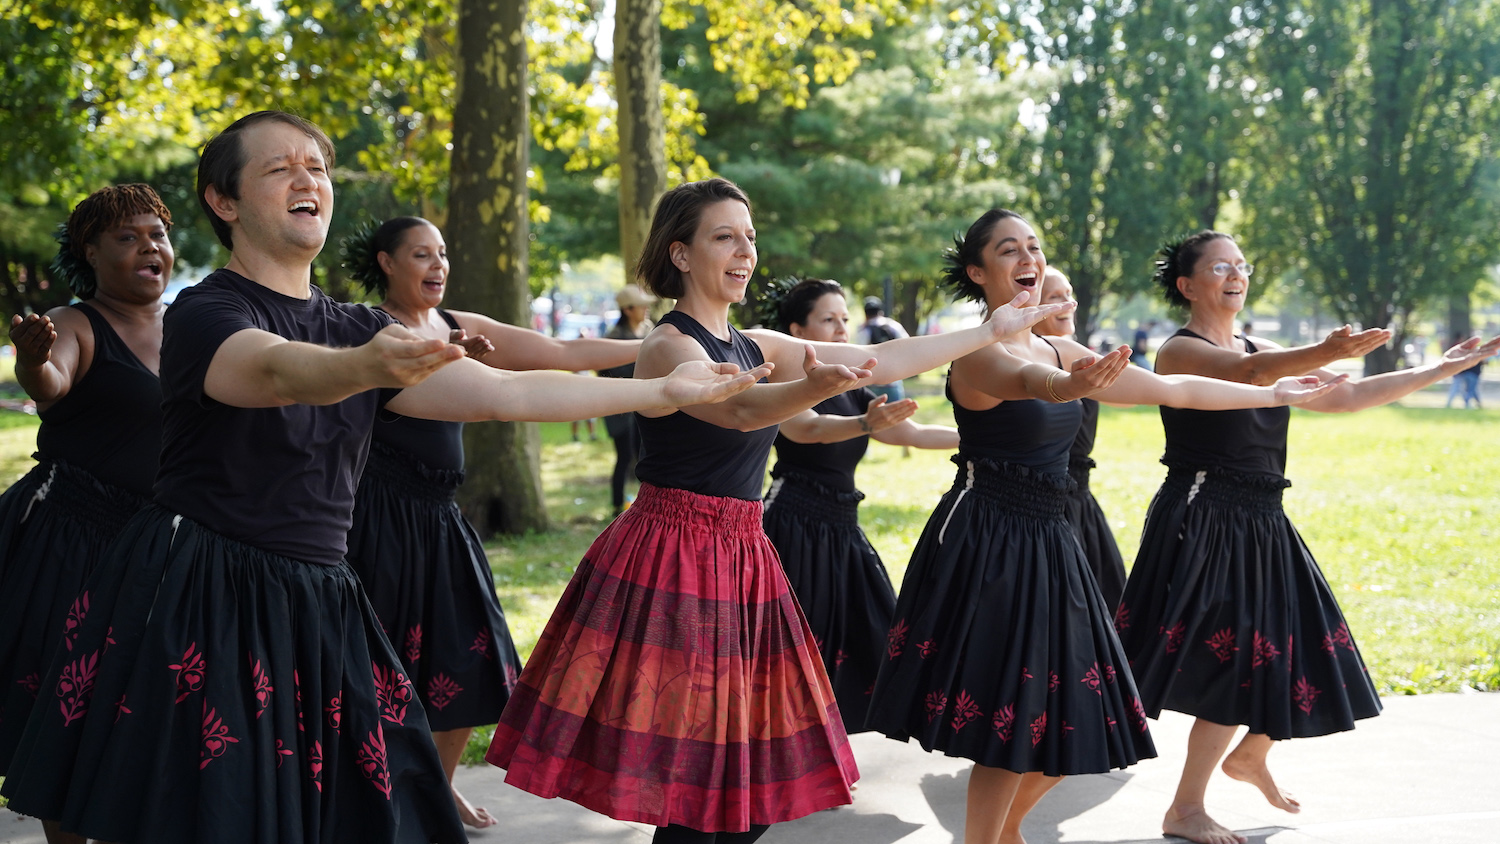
{"points": [[627, 449], [675, 834]]}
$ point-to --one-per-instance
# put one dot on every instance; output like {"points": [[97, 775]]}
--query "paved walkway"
{"points": [[1426, 770]]}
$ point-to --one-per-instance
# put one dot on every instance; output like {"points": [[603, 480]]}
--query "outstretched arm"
{"points": [[1375, 390], [918, 435], [46, 353], [1270, 362], [762, 405], [908, 356], [254, 368], [468, 391], [521, 348], [812, 427]]}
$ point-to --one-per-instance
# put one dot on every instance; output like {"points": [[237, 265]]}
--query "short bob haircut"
{"points": [[223, 160], [676, 221]]}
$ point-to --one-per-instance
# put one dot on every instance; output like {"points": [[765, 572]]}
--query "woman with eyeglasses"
{"points": [[1226, 615], [1001, 649]]}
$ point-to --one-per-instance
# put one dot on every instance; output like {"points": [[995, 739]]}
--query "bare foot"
{"points": [[1009, 838], [1255, 772], [1194, 824], [475, 816]]}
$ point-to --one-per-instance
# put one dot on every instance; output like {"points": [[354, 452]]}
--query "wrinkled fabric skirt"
{"points": [[427, 576], [55, 525], [218, 692], [1227, 617], [1002, 649], [839, 581], [1092, 527], [677, 682]]}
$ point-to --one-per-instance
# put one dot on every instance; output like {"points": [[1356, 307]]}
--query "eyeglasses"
{"points": [[1222, 268]]}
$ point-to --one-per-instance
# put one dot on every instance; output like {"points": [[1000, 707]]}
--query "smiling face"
{"points": [[286, 195], [718, 263], [1056, 290], [827, 322], [416, 270], [1209, 293], [132, 260], [1012, 261]]}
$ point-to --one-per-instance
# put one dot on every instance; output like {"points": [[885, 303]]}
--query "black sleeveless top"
{"points": [[1088, 427], [679, 451], [830, 464], [1028, 432], [109, 423], [1252, 441], [437, 445]]}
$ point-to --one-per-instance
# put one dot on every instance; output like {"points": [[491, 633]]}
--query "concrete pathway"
{"points": [[1426, 771]]}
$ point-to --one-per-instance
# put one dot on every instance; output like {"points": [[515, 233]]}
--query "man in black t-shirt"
{"points": [[230, 598]]}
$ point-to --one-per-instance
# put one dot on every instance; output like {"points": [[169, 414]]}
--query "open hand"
{"points": [[707, 382], [880, 416], [1345, 343], [475, 347], [1014, 318], [1296, 389], [33, 336], [398, 357], [1089, 374], [833, 378], [1456, 359]]}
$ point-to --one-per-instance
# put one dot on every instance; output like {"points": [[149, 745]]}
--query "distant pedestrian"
{"points": [[876, 329]]}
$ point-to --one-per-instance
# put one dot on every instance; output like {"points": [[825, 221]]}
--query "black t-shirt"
{"points": [[1252, 441], [279, 478], [830, 464], [679, 451], [109, 423]]}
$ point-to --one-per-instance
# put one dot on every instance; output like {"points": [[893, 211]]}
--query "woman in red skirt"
{"points": [[677, 683]]}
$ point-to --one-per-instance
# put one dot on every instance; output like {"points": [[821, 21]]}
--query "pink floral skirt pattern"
{"points": [[427, 576], [55, 525], [1226, 615], [215, 691], [677, 682], [1002, 650]]}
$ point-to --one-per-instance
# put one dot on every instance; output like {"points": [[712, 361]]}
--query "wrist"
{"points": [[864, 423], [1053, 392]]}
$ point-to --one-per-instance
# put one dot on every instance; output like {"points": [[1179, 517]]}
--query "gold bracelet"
{"points": [[1051, 391]]}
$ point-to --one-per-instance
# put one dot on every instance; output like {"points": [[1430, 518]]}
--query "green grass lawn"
{"points": [[1401, 505]]}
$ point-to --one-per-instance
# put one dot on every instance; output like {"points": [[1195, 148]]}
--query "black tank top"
{"points": [[830, 464], [1251, 441], [109, 423], [437, 445], [679, 451], [1028, 432]]}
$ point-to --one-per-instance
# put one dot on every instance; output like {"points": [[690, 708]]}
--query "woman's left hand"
{"points": [[475, 347]]}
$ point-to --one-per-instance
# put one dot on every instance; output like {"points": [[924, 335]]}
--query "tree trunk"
{"points": [[643, 130], [487, 235], [1460, 318]]}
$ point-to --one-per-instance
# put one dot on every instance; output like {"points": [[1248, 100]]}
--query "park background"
{"points": [[1350, 146]]}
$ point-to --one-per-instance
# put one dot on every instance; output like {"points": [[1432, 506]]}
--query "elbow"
{"points": [[1257, 376]]}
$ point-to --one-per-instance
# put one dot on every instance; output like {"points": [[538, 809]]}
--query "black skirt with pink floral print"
{"points": [[1226, 616], [1002, 649], [216, 691], [427, 576]]}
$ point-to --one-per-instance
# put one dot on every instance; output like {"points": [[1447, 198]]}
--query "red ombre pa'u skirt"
{"points": [[677, 681]]}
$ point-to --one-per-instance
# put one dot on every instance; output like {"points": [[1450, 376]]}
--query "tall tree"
{"points": [[488, 228], [1138, 115], [643, 128], [1377, 175]]}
